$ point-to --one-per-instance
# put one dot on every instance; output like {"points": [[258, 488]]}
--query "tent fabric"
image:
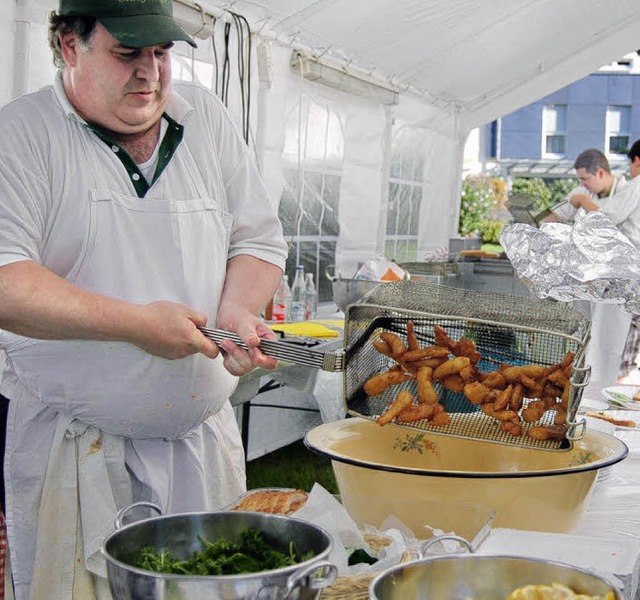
{"points": [[480, 59], [455, 65]]}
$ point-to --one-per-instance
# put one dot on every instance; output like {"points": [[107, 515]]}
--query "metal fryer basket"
{"points": [[506, 329]]}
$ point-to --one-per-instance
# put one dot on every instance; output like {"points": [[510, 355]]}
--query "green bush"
{"points": [[545, 193], [560, 188], [536, 188], [490, 231], [476, 202]]}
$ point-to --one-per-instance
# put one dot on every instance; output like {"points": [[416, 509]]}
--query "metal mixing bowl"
{"points": [[179, 534], [469, 576], [349, 291]]}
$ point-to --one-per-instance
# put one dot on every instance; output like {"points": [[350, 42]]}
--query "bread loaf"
{"points": [[280, 502]]}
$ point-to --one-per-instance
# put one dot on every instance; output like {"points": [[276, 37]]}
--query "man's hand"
{"points": [[249, 284], [170, 330], [583, 201], [251, 330]]}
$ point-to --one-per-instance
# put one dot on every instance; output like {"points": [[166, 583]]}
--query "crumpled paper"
{"points": [[324, 510], [589, 260], [440, 254]]}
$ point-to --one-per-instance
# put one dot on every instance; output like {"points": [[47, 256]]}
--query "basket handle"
{"points": [[296, 349], [448, 536]]}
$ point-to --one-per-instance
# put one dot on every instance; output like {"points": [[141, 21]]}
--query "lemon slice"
{"points": [[555, 591]]}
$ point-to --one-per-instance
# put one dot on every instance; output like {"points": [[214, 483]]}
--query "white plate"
{"points": [[623, 415], [592, 404], [621, 396], [631, 437], [604, 474]]}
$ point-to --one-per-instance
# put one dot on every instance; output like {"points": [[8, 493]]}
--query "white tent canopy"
{"points": [[479, 58], [452, 64], [457, 64]]}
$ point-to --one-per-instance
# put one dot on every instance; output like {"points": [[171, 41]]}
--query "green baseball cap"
{"points": [[134, 23]]}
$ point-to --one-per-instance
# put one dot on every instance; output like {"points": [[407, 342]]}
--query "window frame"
{"points": [[403, 246], [622, 133], [298, 164], [549, 132]]}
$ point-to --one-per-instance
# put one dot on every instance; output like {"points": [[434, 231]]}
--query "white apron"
{"points": [[81, 411]]}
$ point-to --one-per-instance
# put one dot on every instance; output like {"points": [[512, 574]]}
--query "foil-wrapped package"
{"points": [[589, 260]]}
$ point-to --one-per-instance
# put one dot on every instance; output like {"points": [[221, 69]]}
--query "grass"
{"points": [[293, 466]]}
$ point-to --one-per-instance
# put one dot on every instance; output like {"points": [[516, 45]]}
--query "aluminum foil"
{"points": [[588, 260]]}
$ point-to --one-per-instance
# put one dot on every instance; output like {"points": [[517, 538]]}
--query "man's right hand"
{"points": [[170, 330]]}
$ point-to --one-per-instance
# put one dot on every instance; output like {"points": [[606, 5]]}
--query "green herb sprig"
{"points": [[222, 557]]}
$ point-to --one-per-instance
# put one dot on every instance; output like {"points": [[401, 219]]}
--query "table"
{"points": [[607, 539]]}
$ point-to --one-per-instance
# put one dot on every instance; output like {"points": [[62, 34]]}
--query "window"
{"points": [[308, 209], [405, 194], [618, 119], [554, 131]]}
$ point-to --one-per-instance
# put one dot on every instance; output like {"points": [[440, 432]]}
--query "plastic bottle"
{"points": [[311, 297], [298, 294], [282, 301]]}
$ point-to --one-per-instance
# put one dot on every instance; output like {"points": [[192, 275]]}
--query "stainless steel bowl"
{"points": [[349, 291], [461, 577], [179, 535]]}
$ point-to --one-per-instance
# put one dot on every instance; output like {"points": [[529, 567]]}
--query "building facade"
{"points": [[543, 138]]}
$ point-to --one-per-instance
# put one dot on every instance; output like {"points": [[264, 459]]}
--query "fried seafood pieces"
{"points": [[453, 364]]}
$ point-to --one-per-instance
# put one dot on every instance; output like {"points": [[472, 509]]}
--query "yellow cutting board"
{"points": [[311, 328]]}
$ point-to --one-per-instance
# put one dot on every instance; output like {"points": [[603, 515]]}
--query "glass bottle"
{"points": [[298, 294], [282, 301], [311, 297]]}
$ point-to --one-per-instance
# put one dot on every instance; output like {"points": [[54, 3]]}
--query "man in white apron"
{"points": [[619, 199], [131, 213]]}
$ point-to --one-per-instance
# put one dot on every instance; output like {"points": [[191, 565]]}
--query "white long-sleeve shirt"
{"points": [[622, 206]]}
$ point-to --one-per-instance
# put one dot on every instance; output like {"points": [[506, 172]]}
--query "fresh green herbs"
{"points": [[361, 556], [222, 557]]}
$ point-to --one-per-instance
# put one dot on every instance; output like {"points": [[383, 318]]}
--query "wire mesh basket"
{"points": [[506, 330]]}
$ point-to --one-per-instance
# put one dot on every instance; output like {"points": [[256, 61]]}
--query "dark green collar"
{"points": [[170, 142]]}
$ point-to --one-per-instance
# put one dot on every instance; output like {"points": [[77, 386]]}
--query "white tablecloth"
{"points": [[607, 540]]}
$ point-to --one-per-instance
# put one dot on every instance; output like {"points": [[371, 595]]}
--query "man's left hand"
{"points": [[251, 330]]}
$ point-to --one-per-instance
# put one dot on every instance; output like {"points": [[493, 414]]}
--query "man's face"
{"points": [[634, 167], [597, 183], [122, 89]]}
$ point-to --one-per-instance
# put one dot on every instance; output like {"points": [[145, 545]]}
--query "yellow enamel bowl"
{"points": [[414, 475]]}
